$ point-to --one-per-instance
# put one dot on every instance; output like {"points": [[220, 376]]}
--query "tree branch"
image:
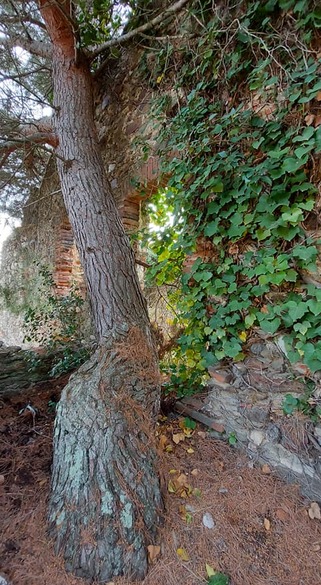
{"points": [[34, 47], [132, 33], [18, 76], [28, 137], [9, 19]]}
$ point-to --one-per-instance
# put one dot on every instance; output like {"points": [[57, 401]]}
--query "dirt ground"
{"points": [[221, 511]]}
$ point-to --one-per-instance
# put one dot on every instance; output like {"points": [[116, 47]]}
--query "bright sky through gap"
{"points": [[6, 226]]}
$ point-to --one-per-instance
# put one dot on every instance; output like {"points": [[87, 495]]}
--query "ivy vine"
{"points": [[241, 143]]}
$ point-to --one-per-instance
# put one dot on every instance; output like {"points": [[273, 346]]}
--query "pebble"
{"points": [[208, 520], [257, 437]]}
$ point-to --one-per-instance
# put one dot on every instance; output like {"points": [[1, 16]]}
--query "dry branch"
{"points": [[132, 33]]}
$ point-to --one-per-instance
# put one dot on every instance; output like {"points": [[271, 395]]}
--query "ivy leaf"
{"points": [[315, 88], [249, 320], [303, 150], [306, 134], [211, 228], [314, 306], [307, 253], [288, 232], [271, 326], [204, 275], [219, 579], [291, 275], [262, 234], [291, 164], [218, 187], [290, 403], [296, 310], [277, 154], [293, 215], [302, 327]]}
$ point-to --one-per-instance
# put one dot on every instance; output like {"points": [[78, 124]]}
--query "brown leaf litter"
{"points": [[262, 531]]}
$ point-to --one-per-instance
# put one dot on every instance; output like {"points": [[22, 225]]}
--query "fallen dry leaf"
{"points": [[267, 524], [178, 437], [180, 486], [317, 121], [315, 547], [42, 482], [314, 511], [194, 472], [182, 511], [318, 96], [162, 442], [309, 119], [182, 554], [209, 570], [188, 432], [190, 450], [281, 514], [153, 552], [201, 434], [265, 469], [182, 479], [233, 249]]}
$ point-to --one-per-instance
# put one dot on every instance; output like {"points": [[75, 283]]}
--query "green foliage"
{"points": [[52, 405], [218, 579], [240, 191], [290, 404], [99, 20], [54, 323], [189, 423], [232, 439], [303, 404]]}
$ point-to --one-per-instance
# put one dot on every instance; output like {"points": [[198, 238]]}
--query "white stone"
{"points": [[208, 520], [257, 437]]}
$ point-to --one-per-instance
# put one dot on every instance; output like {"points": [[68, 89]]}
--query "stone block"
{"points": [[257, 437]]}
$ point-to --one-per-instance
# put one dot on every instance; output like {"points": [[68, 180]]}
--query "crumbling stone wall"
{"points": [[244, 404], [15, 372], [45, 236]]}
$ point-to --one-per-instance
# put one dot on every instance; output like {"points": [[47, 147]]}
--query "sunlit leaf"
{"points": [[182, 554]]}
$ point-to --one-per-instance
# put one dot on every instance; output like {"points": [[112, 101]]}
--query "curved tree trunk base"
{"points": [[106, 503]]}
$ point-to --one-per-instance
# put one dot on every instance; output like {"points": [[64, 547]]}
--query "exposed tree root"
{"points": [[106, 503]]}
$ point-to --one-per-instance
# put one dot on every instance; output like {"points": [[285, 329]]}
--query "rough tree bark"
{"points": [[105, 502]]}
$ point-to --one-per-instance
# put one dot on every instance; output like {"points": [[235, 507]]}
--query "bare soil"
{"points": [[262, 532]]}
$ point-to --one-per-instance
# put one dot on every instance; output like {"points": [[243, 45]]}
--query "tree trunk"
{"points": [[106, 505], [105, 502]]}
